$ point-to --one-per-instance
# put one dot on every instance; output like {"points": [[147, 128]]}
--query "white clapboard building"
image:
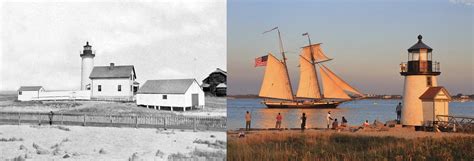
{"points": [[171, 94], [28, 93], [113, 82]]}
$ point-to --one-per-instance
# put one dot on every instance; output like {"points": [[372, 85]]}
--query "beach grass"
{"points": [[334, 146]]}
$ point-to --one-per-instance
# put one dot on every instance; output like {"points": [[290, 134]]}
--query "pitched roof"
{"points": [[30, 88], [419, 45], [112, 72], [167, 86], [218, 70], [431, 93]]}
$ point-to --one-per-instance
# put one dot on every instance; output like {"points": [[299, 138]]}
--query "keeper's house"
{"points": [[29, 93], [113, 82], [171, 94]]}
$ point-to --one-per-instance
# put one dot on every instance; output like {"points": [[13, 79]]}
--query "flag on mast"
{"points": [[261, 61]]}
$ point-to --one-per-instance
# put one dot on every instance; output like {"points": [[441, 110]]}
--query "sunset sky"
{"points": [[40, 42], [367, 39]]}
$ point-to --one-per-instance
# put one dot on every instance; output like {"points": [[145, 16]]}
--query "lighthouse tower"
{"points": [[87, 65], [420, 75]]}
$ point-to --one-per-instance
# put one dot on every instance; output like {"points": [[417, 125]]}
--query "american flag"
{"points": [[261, 61]]}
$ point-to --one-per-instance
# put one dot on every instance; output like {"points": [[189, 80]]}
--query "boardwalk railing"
{"points": [[137, 121], [455, 123]]}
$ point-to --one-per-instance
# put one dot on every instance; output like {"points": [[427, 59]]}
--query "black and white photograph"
{"points": [[113, 80]]}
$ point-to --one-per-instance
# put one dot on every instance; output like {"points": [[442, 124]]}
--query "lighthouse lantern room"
{"points": [[420, 74]]}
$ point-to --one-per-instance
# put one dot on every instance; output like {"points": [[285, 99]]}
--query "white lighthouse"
{"points": [[87, 65], [420, 85]]}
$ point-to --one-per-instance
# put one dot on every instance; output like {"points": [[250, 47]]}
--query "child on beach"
{"points": [[344, 122], [335, 124], [248, 118], [303, 122], [278, 122], [366, 123]]}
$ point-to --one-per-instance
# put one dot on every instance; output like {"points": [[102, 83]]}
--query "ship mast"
{"points": [[284, 59], [312, 60]]}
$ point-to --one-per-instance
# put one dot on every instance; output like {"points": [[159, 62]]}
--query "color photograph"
{"points": [[350, 80]]}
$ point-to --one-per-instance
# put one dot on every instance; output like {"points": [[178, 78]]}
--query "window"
{"points": [[165, 97], [99, 88], [428, 81], [19, 93], [131, 89], [119, 88]]}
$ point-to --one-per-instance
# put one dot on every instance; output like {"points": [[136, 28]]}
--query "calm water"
{"points": [[356, 112]]}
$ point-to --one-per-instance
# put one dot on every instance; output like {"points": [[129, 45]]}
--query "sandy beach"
{"points": [[107, 143]]}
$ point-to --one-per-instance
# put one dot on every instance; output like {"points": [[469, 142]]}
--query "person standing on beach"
{"points": [[399, 112], [328, 119], [278, 122], [303, 122], [51, 118], [248, 118]]}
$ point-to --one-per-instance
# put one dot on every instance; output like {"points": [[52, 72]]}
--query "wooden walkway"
{"points": [[455, 123], [136, 121]]}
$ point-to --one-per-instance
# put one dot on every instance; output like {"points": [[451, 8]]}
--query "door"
{"points": [[195, 101]]}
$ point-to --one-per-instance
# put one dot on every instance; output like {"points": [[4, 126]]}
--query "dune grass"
{"points": [[348, 147]]}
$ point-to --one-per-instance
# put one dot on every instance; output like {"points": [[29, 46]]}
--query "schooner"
{"points": [[276, 86]]}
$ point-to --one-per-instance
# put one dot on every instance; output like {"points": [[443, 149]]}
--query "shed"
{"points": [[28, 93], [171, 93], [435, 101]]}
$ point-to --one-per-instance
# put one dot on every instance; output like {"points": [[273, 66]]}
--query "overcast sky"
{"points": [[41, 42], [367, 39]]}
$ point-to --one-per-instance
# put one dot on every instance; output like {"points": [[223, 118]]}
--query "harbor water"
{"points": [[356, 112]]}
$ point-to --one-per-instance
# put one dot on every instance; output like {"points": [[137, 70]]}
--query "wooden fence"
{"points": [[455, 123], [136, 121]]}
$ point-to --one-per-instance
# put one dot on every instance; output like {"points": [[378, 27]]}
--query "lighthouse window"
{"points": [[99, 88], [428, 81], [119, 88]]}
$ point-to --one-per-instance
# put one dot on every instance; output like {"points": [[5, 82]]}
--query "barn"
{"points": [[28, 93], [113, 82], [171, 94], [215, 79]]}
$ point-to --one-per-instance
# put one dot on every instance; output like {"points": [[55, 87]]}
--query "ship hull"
{"points": [[298, 105]]}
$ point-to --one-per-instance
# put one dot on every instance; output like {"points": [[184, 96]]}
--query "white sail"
{"points": [[308, 85], [341, 83], [330, 87], [276, 83], [318, 53]]}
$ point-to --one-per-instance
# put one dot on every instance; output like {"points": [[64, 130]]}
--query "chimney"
{"points": [[111, 66]]}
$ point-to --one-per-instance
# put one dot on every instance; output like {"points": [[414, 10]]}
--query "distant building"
{"points": [[172, 93], [216, 83], [29, 93], [113, 82]]}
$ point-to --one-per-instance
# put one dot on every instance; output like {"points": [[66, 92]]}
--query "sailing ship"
{"points": [[276, 87]]}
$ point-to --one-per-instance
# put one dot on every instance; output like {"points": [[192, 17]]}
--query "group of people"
{"points": [[333, 123]]}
